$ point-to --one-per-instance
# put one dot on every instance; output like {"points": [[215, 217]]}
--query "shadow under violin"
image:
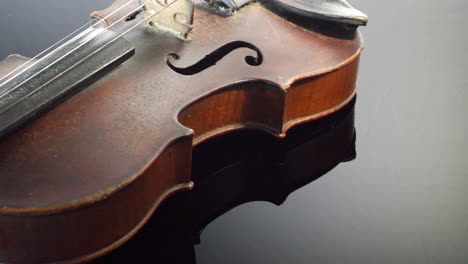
{"points": [[235, 169]]}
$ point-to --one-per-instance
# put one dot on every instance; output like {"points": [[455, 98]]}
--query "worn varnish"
{"points": [[83, 178]]}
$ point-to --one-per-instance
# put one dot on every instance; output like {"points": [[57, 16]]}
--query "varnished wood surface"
{"points": [[57, 237], [103, 160]]}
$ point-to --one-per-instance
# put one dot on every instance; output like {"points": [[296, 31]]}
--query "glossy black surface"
{"points": [[403, 200]]}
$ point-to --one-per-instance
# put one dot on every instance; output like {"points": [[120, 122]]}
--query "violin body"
{"points": [[84, 178]]}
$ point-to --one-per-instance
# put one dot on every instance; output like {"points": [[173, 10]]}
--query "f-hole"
{"points": [[212, 58]]}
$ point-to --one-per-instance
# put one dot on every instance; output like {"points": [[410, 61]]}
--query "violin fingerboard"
{"points": [[66, 71]]}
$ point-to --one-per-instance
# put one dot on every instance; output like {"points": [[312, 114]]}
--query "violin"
{"points": [[98, 130]]}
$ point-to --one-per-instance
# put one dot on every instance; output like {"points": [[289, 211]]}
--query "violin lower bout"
{"points": [[91, 231]]}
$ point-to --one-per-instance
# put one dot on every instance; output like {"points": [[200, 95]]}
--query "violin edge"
{"points": [[88, 257]]}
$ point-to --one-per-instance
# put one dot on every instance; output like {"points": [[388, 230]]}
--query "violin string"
{"points": [[100, 20], [96, 51], [103, 19], [43, 52]]}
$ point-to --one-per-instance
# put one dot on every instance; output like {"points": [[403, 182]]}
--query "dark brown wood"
{"points": [[83, 178]]}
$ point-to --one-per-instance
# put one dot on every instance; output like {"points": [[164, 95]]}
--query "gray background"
{"points": [[404, 200]]}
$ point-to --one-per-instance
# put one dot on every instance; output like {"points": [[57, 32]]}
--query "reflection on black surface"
{"points": [[236, 169]]}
